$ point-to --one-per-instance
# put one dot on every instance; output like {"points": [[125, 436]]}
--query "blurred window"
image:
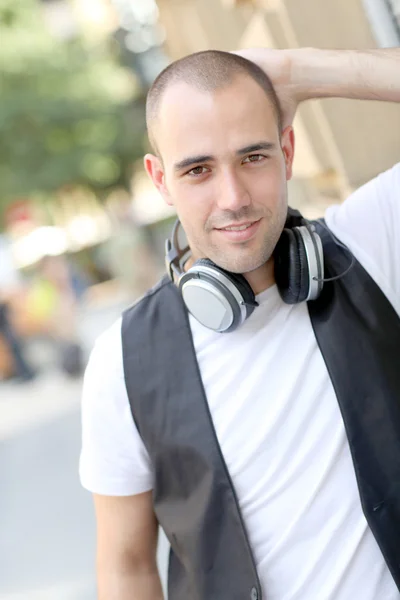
{"points": [[384, 18], [395, 6]]}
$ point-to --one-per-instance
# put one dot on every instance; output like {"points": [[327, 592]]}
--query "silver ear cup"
{"points": [[207, 304], [212, 298], [314, 253]]}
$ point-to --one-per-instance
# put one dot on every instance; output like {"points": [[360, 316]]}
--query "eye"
{"points": [[196, 171], [254, 158]]}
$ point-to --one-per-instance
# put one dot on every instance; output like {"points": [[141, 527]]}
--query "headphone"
{"points": [[222, 300]]}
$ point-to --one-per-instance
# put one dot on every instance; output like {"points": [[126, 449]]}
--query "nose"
{"points": [[232, 193]]}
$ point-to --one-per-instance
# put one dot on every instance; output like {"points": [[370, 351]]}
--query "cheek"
{"points": [[269, 186], [194, 202]]}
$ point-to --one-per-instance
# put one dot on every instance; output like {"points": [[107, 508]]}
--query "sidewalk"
{"points": [[42, 501], [23, 406]]}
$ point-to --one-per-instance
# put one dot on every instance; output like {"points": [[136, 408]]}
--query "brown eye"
{"points": [[196, 171], [254, 158]]}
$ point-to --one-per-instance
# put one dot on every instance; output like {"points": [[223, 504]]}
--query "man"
{"points": [[223, 155]]}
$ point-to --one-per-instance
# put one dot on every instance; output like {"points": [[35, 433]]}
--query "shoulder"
{"points": [[161, 305], [162, 287], [368, 222], [378, 196], [107, 349], [113, 458], [104, 375]]}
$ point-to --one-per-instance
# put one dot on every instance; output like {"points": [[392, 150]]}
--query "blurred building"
{"points": [[340, 143]]}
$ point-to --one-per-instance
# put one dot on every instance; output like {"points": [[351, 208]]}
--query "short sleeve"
{"points": [[113, 460], [369, 223]]}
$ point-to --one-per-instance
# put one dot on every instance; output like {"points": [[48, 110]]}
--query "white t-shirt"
{"points": [[278, 424]]}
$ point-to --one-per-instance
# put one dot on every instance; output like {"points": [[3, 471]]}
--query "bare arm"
{"points": [[358, 74], [126, 548], [306, 73]]}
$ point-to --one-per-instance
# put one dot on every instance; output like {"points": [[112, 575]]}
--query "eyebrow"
{"points": [[255, 147], [192, 160]]}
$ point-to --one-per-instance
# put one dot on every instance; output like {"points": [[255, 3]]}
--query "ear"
{"points": [[155, 171], [287, 145]]}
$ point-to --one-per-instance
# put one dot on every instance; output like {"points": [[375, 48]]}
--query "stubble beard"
{"points": [[244, 259], [247, 257]]}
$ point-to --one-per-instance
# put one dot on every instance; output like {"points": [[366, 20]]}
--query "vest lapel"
{"points": [[194, 498], [358, 333]]}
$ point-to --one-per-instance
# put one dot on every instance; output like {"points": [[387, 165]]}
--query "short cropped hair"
{"points": [[208, 71]]}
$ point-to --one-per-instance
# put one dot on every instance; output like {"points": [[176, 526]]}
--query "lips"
{"points": [[240, 227], [241, 232]]}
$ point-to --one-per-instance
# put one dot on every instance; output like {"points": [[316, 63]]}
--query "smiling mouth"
{"points": [[242, 232], [237, 227]]}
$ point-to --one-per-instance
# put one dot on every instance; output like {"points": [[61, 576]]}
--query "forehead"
{"points": [[193, 121]]}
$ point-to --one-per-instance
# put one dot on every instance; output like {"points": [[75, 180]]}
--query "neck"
{"points": [[262, 278]]}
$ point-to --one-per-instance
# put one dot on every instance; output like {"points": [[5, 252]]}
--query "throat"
{"points": [[262, 278]]}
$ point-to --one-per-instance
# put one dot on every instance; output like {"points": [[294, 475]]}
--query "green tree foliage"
{"points": [[69, 114]]}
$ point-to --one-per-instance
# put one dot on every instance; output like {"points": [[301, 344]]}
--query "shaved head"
{"points": [[222, 160], [206, 71]]}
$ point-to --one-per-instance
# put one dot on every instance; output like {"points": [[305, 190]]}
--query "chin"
{"points": [[242, 264]]}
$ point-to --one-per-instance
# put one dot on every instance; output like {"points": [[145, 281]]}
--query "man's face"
{"points": [[225, 168]]}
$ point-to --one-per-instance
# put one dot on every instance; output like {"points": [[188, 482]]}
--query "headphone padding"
{"points": [[291, 267]]}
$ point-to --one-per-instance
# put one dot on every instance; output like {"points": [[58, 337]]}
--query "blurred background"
{"points": [[82, 230]]}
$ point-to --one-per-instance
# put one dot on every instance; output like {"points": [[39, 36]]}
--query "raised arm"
{"points": [[358, 74], [306, 73], [126, 548]]}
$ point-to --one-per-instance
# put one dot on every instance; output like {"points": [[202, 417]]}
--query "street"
{"points": [[47, 543]]}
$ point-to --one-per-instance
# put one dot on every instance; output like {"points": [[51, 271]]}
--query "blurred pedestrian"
{"points": [[249, 403], [10, 287], [54, 302]]}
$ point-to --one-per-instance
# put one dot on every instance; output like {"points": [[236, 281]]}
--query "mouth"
{"points": [[239, 232]]}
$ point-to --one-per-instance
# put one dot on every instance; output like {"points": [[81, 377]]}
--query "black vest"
{"points": [[358, 332]]}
